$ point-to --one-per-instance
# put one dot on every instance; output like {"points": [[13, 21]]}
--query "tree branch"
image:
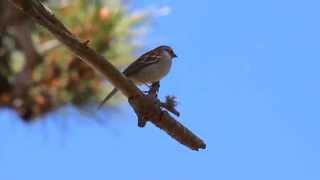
{"points": [[147, 107]]}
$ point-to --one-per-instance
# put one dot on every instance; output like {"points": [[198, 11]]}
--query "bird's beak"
{"points": [[174, 55]]}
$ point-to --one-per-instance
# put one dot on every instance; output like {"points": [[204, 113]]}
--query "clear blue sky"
{"points": [[247, 79]]}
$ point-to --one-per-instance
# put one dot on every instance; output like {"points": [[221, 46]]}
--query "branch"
{"points": [[146, 107], [22, 32]]}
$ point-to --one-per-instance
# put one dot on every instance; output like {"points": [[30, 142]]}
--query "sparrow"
{"points": [[151, 67]]}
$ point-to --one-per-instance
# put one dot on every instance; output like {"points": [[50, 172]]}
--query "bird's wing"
{"points": [[145, 60], [142, 62]]}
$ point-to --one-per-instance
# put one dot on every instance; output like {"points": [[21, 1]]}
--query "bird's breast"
{"points": [[153, 73]]}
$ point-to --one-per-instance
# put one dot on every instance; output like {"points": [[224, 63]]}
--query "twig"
{"points": [[146, 107], [170, 103]]}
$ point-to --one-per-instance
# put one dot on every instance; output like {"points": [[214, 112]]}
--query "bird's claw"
{"points": [[142, 123]]}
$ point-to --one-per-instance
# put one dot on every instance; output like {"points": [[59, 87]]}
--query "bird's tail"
{"points": [[112, 93]]}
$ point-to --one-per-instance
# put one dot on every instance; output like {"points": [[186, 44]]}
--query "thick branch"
{"points": [[146, 107], [22, 33]]}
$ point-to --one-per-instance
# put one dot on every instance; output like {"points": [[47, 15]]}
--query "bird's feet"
{"points": [[154, 89]]}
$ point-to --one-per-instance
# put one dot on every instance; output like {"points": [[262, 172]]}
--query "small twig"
{"points": [[86, 42], [170, 105], [170, 102]]}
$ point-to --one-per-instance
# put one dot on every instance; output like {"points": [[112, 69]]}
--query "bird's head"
{"points": [[168, 50]]}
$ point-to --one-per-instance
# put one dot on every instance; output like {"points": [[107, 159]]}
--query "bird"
{"points": [[150, 67]]}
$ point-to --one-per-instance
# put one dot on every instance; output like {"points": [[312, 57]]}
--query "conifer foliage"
{"points": [[38, 74]]}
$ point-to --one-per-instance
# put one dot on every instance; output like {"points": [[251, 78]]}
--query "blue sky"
{"points": [[247, 79]]}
